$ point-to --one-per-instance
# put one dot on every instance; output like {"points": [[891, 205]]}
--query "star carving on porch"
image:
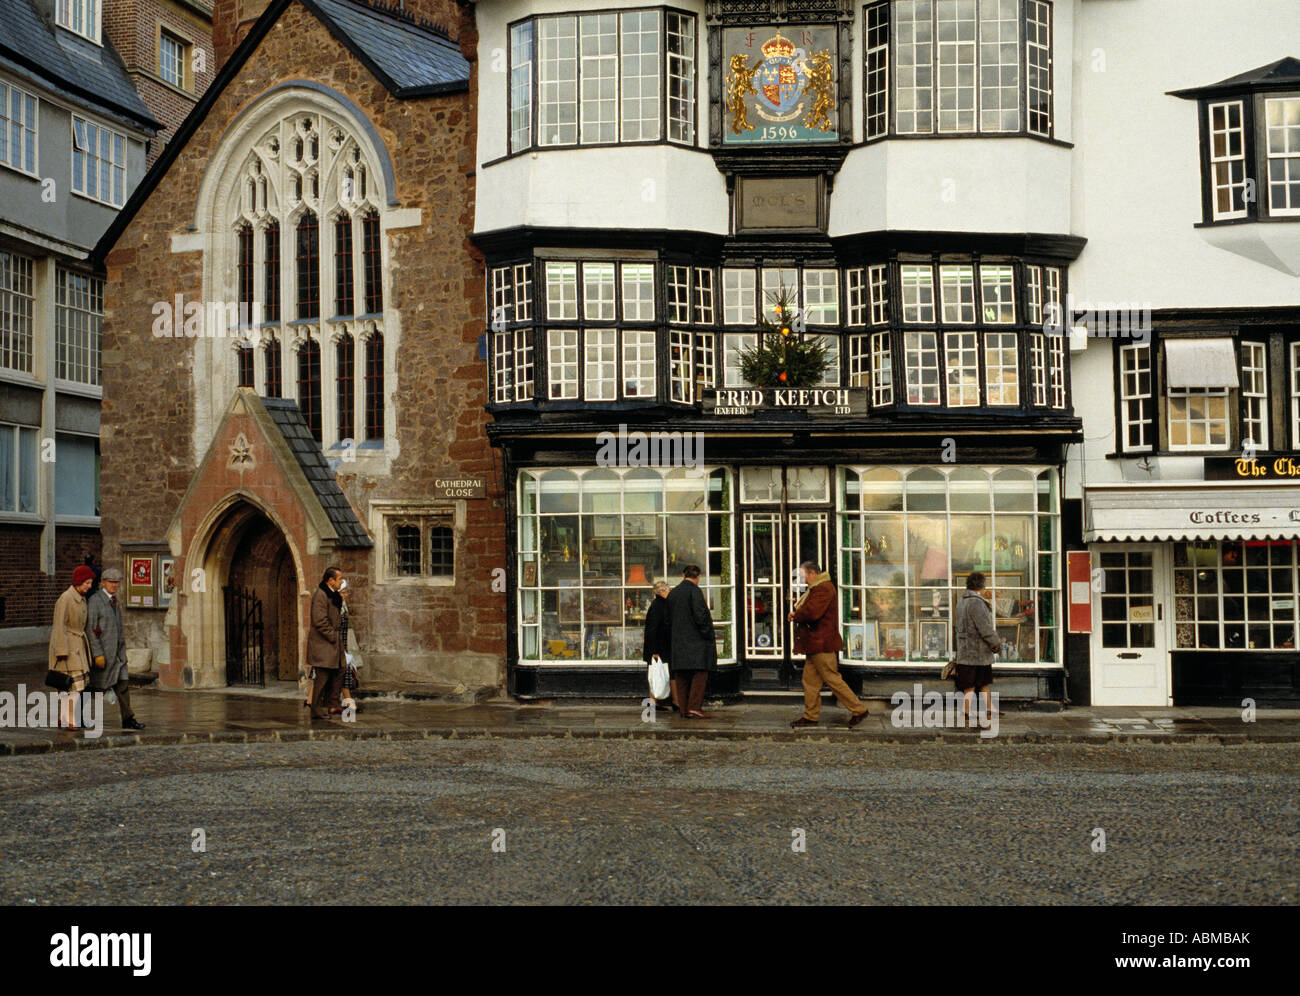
{"points": [[241, 454]]}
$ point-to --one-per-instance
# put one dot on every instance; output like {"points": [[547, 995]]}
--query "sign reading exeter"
{"points": [[821, 402], [459, 487]]}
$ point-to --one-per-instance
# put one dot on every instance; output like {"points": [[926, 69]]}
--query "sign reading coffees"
{"points": [[1265, 467], [821, 402], [460, 487]]}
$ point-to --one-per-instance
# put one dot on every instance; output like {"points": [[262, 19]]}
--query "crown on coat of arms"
{"points": [[778, 47]]}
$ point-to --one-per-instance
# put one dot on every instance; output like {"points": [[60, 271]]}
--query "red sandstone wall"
{"points": [[436, 282]]}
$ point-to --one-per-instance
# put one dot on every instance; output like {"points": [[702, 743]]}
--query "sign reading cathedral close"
{"points": [[780, 85]]}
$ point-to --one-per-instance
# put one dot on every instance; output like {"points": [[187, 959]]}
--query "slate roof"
{"points": [[411, 59], [1281, 75], [70, 65], [288, 418]]}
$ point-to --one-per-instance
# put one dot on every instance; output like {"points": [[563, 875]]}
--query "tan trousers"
{"points": [[819, 669]]}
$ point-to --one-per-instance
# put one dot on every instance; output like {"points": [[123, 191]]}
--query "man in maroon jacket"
{"points": [[817, 635]]}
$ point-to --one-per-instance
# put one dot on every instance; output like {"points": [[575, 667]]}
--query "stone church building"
{"points": [[292, 369]]}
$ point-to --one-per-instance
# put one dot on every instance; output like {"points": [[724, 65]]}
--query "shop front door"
{"points": [[775, 543], [1130, 659]]}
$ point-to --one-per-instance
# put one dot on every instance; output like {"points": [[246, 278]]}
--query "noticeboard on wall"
{"points": [[141, 580]]}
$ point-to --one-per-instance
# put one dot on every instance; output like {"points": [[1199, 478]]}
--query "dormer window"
{"points": [[80, 16], [1250, 145]]}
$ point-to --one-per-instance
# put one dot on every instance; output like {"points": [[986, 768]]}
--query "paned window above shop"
{"points": [[604, 78], [959, 67], [1205, 394], [966, 333]]}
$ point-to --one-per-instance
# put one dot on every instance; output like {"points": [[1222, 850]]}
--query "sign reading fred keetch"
{"points": [[816, 401], [459, 487]]}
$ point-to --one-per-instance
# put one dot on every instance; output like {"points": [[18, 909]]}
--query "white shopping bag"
{"points": [[658, 676]]}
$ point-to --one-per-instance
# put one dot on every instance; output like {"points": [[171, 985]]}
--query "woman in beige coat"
{"points": [[69, 651]]}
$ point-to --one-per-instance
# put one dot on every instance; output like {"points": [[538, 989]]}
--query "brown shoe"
{"points": [[803, 721], [855, 720]]}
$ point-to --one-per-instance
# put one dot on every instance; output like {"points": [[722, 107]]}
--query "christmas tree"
{"points": [[785, 355]]}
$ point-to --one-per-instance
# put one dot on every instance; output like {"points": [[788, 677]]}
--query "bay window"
{"points": [[602, 78], [960, 67]]}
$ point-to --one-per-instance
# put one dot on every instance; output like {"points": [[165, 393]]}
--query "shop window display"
{"points": [[1235, 595], [592, 543], [909, 538]]}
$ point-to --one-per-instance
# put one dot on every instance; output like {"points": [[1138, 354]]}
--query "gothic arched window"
{"points": [[295, 216]]}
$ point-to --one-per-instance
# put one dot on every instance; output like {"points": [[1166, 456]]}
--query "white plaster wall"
{"points": [[953, 185], [643, 186], [1137, 178]]}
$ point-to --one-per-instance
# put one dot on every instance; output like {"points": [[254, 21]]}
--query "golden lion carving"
{"points": [[740, 84], [820, 82]]}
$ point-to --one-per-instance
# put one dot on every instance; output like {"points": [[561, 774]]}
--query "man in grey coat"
{"points": [[694, 651], [107, 640]]}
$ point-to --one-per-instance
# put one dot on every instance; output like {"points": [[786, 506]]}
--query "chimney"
{"points": [[231, 20]]}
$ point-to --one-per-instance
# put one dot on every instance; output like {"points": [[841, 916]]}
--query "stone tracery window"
{"points": [[299, 242]]}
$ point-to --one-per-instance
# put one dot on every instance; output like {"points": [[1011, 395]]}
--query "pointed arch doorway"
{"points": [[250, 610]]}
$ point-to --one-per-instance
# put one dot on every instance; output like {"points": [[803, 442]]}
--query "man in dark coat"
{"points": [[325, 648], [817, 636], [107, 641], [694, 649]]}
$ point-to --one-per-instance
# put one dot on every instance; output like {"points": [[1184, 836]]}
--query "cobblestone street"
{"points": [[640, 822]]}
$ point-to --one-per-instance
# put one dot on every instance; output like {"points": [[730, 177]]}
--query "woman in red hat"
{"points": [[69, 651]]}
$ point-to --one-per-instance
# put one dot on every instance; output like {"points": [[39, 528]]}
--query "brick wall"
{"points": [[133, 28], [435, 282], [30, 595]]}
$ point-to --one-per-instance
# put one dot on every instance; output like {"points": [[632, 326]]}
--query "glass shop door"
{"points": [[774, 544]]}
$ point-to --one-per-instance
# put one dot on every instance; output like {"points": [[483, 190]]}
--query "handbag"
{"points": [[949, 670], [58, 680], [658, 678]]}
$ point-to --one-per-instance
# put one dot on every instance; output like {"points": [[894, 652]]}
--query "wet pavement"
{"points": [[473, 821], [277, 714]]}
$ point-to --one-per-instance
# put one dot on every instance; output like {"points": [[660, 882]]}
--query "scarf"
{"points": [[333, 595], [822, 578]]}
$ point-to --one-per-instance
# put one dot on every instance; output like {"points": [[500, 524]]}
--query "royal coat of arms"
{"points": [[784, 81]]}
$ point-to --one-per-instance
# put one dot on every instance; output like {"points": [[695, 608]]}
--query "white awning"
{"points": [[1200, 363], [1191, 512]]}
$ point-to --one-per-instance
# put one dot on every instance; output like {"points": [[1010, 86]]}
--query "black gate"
{"points": [[243, 637]]}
